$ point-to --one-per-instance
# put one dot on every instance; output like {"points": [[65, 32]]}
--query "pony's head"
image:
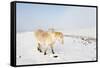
{"points": [[59, 36]]}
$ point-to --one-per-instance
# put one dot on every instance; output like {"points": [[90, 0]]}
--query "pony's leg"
{"points": [[45, 49], [52, 49], [39, 47], [45, 52]]}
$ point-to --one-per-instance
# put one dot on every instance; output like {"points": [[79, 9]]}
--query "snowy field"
{"points": [[74, 49]]}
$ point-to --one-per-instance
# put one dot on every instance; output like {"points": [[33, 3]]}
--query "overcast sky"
{"points": [[34, 16]]}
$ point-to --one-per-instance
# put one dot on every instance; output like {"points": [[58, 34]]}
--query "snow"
{"points": [[74, 49]]}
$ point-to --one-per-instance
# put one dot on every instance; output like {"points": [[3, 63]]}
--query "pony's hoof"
{"points": [[40, 51], [55, 56], [44, 53]]}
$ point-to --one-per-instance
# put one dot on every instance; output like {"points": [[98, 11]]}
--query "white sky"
{"points": [[66, 18]]}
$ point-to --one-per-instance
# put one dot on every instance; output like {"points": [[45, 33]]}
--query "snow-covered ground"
{"points": [[74, 49]]}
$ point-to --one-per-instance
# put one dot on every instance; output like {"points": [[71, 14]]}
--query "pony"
{"points": [[47, 39]]}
